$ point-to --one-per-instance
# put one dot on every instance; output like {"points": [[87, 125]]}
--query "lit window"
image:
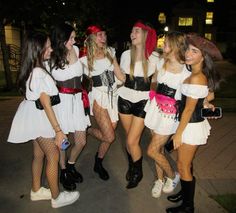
{"points": [[160, 41], [185, 21], [210, 0], [209, 15], [208, 36], [209, 21], [162, 18]]}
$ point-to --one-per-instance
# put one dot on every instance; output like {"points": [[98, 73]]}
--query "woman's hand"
{"points": [[60, 136], [177, 140]]}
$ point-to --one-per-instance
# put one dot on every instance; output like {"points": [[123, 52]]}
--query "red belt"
{"points": [[67, 90], [84, 97]]}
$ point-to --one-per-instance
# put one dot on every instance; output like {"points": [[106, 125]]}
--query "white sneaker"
{"points": [[41, 194], [170, 184], [157, 188], [65, 198]]}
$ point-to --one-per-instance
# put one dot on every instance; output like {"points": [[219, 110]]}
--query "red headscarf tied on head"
{"points": [[151, 40], [93, 29]]}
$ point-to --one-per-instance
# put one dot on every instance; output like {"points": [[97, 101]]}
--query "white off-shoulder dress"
{"points": [[160, 122], [72, 117], [195, 133], [29, 122]]}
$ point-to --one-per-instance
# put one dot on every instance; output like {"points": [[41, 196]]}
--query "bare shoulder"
{"points": [[198, 79]]}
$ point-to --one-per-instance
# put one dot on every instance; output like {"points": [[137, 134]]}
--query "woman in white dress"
{"points": [[67, 71], [193, 130], [139, 65], [160, 109], [101, 66], [36, 119]]}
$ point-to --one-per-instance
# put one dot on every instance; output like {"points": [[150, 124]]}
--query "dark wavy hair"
{"points": [[213, 76], [32, 53], [60, 34]]}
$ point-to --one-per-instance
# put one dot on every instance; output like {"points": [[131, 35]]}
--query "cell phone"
{"points": [[207, 112], [169, 146], [65, 144]]}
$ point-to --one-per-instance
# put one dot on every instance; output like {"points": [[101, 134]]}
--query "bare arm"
{"points": [[45, 101], [117, 70], [185, 118]]}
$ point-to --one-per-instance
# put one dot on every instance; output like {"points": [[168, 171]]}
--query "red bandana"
{"points": [[93, 29], [151, 40]]}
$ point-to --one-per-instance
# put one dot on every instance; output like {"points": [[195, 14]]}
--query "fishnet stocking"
{"points": [[105, 131], [156, 152], [49, 148], [80, 141], [37, 166]]}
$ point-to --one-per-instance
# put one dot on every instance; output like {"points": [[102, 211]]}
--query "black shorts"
{"points": [[127, 107]]}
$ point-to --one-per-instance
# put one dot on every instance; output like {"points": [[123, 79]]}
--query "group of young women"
{"points": [[51, 76]]}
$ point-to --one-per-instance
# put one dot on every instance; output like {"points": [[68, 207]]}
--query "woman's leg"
{"points": [[134, 131], [52, 156], [79, 143], [126, 120], [66, 178], [105, 133], [186, 155], [156, 152], [37, 166]]}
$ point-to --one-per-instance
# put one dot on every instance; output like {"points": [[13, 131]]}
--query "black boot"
{"points": [[76, 176], [130, 161], [67, 181], [136, 174], [175, 197], [187, 206], [98, 168], [178, 196]]}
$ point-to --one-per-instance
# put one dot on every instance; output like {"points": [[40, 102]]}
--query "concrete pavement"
{"points": [[214, 169]]}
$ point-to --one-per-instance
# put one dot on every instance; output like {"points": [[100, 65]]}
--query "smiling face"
{"points": [[48, 50], [69, 44], [101, 38], [136, 36], [193, 55]]}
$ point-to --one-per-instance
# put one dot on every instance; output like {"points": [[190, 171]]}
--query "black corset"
{"points": [[163, 89], [138, 83], [107, 78], [196, 116], [74, 83]]}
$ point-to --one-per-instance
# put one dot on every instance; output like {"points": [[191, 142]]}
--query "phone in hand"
{"points": [[208, 112], [65, 144], [169, 146]]}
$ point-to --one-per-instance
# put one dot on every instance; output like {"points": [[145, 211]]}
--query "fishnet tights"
{"points": [[79, 143], [156, 152], [45, 147], [105, 131]]}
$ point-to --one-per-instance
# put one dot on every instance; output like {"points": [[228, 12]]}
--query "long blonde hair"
{"points": [[144, 60], [92, 49]]}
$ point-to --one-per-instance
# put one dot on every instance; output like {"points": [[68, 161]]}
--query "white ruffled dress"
{"points": [[105, 99], [195, 133], [72, 117], [29, 122], [156, 120]]}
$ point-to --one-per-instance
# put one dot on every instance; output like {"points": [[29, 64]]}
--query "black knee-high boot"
{"points": [[98, 168], [187, 206], [178, 196], [136, 174], [130, 161]]}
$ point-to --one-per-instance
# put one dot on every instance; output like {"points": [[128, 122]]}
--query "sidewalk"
{"points": [[214, 169]]}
